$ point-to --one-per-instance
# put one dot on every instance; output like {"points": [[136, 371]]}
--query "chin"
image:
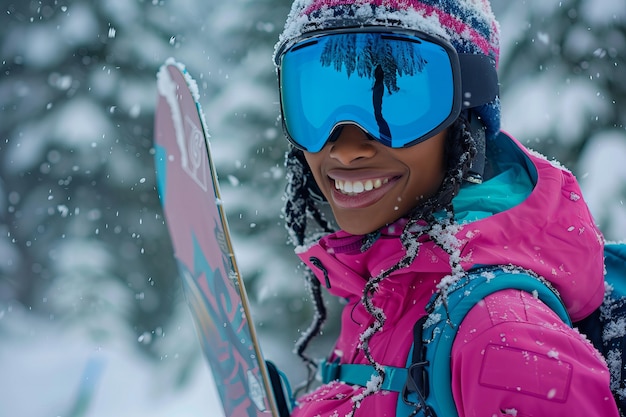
{"points": [[357, 228]]}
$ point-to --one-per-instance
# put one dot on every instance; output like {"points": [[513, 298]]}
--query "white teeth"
{"points": [[357, 187]]}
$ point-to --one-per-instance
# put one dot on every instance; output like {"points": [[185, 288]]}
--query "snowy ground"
{"points": [[49, 370]]}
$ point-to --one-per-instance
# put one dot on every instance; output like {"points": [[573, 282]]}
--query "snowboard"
{"points": [[214, 290]]}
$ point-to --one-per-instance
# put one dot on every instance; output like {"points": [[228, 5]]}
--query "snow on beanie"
{"points": [[469, 25]]}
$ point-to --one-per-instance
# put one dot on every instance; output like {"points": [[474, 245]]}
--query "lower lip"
{"points": [[361, 200]]}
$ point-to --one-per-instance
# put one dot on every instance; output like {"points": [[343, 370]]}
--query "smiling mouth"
{"points": [[353, 188]]}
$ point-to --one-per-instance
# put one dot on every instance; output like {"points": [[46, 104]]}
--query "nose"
{"points": [[351, 144]]}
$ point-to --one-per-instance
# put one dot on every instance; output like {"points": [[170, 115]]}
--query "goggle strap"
{"points": [[479, 80]]}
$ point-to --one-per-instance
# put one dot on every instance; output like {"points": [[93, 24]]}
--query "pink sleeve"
{"points": [[514, 357]]}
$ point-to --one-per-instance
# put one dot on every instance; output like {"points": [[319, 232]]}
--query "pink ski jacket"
{"points": [[512, 355]]}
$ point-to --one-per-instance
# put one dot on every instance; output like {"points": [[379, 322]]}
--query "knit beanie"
{"points": [[469, 25]]}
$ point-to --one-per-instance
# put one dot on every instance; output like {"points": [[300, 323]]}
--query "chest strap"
{"points": [[360, 374]]}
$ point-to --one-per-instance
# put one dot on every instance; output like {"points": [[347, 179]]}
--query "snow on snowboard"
{"points": [[215, 293]]}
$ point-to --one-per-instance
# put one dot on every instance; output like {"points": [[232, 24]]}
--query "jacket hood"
{"points": [[550, 232]]}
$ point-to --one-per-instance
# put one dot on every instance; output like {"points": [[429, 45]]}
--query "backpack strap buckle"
{"points": [[417, 384], [416, 381], [415, 389]]}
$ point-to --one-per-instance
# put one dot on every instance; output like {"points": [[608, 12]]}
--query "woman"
{"points": [[392, 109]]}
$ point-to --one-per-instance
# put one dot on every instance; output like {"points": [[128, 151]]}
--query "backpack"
{"points": [[425, 384], [606, 327]]}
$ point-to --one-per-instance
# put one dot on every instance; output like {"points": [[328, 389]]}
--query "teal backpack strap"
{"points": [[605, 326], [425, 384], [615, 266], [361, 374], [446, 312]]}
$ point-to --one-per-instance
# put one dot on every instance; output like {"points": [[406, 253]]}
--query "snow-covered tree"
{"points": [[82, 235], [82, 238], [563, 73]]}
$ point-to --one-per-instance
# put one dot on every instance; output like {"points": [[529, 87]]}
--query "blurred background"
{"points": [[92, 317]]}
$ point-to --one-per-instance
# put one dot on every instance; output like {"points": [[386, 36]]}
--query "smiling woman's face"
{"points": [[370, 185]]}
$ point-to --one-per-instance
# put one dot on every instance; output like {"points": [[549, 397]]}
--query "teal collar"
{"points": [[513, 179]]}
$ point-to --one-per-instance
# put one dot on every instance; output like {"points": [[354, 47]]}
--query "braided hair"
{"points": [[303, 205]]}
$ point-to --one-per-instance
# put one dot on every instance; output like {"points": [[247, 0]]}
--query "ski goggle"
{"points": [[401, 87]]}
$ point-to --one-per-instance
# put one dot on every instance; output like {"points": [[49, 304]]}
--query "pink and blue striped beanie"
{"points": [[469, 25]]}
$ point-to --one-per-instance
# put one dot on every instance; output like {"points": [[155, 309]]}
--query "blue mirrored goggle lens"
{"points": [[398, 88]]}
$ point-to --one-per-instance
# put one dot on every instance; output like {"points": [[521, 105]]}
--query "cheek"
{"points": [[422, 186], [427, 173], [435, 175], [313, 160]]}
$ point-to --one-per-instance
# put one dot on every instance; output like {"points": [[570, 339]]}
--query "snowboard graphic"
{"points": [[214, 290]]}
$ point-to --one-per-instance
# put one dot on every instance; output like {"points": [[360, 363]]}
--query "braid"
{"points": [[319, 318], [411, 245], [301, 196], [300, 204], [295, 200]]}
